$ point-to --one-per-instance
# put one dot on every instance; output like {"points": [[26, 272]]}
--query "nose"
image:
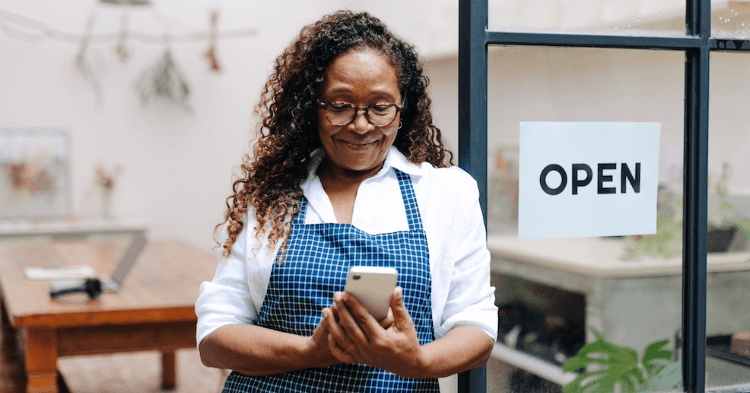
{"points": [[360, 124]]}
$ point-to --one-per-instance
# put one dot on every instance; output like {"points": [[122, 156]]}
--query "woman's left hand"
{"points": [[356, 337]]}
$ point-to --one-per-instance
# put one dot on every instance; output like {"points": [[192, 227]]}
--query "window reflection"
{"points": [[730, 19], [728, 314], [653, 17], [556, 295]]}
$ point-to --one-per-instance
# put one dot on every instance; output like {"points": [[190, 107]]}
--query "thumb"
{"points": [[321, 331], [400, 313]]}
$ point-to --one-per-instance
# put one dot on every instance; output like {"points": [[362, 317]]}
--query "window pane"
{"points": [[554, 294], [730, 19], [728, 309], [641, 17]]}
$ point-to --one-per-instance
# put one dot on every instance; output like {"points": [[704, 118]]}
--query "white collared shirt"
{"points": [[448, 201]]}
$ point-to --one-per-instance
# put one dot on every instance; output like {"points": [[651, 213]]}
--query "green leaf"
{"points": [[666, 379], [744, 226], [654, 357], [721, 190], [616, 365], [607, 365]]}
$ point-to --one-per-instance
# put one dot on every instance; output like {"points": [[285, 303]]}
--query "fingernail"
{"points": [[337, 296]]}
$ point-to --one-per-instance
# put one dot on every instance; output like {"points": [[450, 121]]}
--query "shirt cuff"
{"points": [[219, 305], [483, 319]]}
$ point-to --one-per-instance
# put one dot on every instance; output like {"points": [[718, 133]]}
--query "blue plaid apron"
{"points": [[317, 260]]}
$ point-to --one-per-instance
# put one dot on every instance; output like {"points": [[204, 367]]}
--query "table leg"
{"points": [[41, 360], [168, 370], [62, 386], [7, 333]]}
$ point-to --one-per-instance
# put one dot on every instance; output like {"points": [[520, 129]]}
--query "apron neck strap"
{"points": [[410, 201]]}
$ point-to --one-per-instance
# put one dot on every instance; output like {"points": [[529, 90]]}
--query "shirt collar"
{"points": [[312, 188], [394, 159], [399, 161]]}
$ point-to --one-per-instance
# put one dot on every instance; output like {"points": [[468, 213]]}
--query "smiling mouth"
{"points": [[361, 143]]}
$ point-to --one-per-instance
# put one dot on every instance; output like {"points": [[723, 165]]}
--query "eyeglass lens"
{"points": [[344, 114]]}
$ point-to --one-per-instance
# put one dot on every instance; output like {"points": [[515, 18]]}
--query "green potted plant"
{"points": [[725, 224], [667, 241], [607, 368]]}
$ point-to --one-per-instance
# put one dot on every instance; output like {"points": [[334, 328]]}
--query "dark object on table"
{"points": [[721, 347], [719, 239], [740, 344], [92, 286]]}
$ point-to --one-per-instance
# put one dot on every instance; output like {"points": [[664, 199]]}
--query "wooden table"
{"points": [[154, 311]]}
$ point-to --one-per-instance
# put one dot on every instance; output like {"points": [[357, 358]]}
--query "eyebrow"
{"points": [[374, 94]]}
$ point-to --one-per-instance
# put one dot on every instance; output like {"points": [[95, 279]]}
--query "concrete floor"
{"points": [[137, 372]]}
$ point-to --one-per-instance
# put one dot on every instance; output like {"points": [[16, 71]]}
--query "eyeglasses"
{"points": [[343, 113]]}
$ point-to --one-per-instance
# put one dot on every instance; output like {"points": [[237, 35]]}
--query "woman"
{"points": [[348, 170]]}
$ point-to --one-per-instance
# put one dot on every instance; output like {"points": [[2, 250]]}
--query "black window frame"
{"points": [[474, 39]]}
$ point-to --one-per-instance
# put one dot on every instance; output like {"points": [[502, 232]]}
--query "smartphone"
{"points": [[372, 287]]}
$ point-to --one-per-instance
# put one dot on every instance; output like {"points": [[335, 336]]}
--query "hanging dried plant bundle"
{"points": [[211, 56], [164, 80], [85, 67], [211, 53], [122, 49]]}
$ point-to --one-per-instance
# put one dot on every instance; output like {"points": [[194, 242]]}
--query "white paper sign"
{"points": [[587, 179]]}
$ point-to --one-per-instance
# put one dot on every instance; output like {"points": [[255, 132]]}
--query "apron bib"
{"points": [[318, 258]]}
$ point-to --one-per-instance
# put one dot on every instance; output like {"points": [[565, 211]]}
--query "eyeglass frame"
{"points": [[357, 108]]}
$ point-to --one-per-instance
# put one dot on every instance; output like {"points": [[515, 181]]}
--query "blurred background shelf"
{"points": [[63, 228]]}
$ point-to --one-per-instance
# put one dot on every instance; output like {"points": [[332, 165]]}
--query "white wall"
{"points": [[176, 167]]}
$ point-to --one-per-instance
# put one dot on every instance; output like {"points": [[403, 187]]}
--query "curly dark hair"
{"points": [[271, 178]]}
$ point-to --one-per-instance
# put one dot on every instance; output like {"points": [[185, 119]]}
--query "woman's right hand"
{"points": [[317, 344]]}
